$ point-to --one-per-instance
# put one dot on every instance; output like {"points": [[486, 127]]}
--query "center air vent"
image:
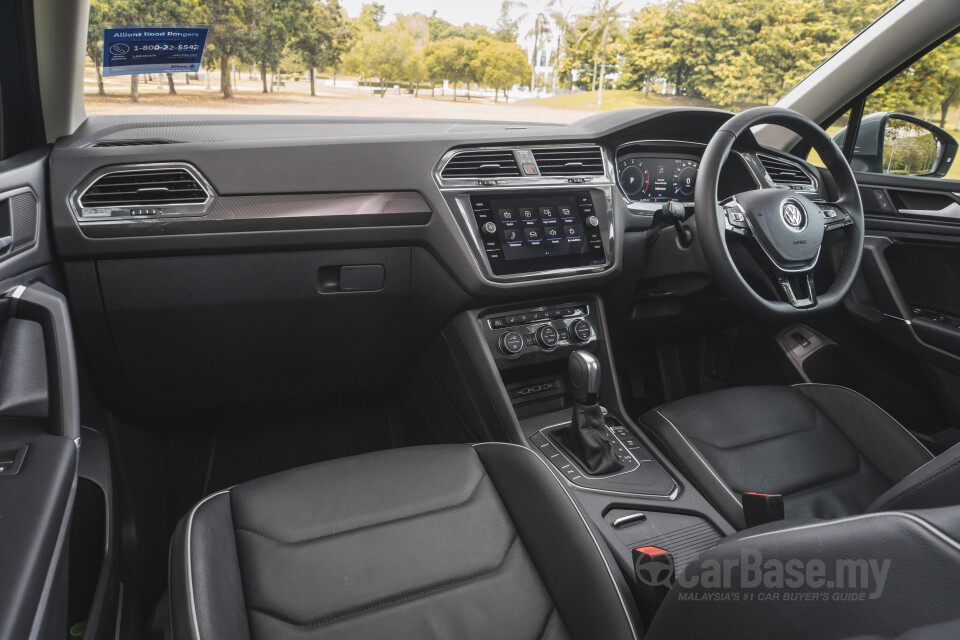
{"points": [[482, 164], [138, 191], [569, 161], [786, 174]]}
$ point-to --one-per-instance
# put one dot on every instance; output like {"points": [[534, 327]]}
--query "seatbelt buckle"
{"points": [[654, 572], [761, 508]]}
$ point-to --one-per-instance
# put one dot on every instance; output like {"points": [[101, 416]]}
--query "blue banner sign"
{"points": [[152, 50]]}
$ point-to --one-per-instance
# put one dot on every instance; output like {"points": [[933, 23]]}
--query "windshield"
{"points": [[547, 61]]}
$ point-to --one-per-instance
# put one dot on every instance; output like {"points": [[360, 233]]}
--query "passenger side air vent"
{"points": [[138, 191], [130, 143], [786, 174], [569, 161], [482, 164]]}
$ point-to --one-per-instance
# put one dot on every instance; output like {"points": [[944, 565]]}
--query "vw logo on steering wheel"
{"points": [[793, 215]]}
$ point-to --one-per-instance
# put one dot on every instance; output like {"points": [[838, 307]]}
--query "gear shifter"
{"points": [[587, 437]]}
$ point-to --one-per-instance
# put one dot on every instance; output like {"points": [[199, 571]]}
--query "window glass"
{"points": [[833, 129], [911, 124], [516, 60]]}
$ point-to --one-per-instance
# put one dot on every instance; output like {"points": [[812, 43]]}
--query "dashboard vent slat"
{"points": [[482, 164], [785, 173], [130, 143], [144, 187], [569, 161]]}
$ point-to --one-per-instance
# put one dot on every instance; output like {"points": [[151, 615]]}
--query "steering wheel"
{"points": [[787, 227]]}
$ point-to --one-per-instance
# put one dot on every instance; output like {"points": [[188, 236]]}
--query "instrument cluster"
{"points": [[648, 177]]}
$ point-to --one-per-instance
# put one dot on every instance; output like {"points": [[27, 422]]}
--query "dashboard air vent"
{"points": [[569, 161], [786, 174], [158, 187], [130, 143], [482, 164]]}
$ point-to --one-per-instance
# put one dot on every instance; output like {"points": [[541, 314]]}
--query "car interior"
{"points": [[322, 377]]}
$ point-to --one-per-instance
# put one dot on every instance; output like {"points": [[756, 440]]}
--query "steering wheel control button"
{"points": [[511, 343], [580, 331], [547, 337], [829, 214]]}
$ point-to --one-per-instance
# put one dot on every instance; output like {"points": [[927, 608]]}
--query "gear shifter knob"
{"points": [[583, 368]]}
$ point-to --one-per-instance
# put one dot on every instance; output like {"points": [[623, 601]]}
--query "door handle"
{"points": [[48, 307], [951, 211]]}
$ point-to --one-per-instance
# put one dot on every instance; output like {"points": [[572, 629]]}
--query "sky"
{"points": [[477, 11]]}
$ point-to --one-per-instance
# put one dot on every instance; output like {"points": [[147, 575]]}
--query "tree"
{"points": [[384, 54], [448, 60], [501, 65], [371, 16], [603, 24], [227, 20], [563, 25], [931, 84], [273, 22], [739, 53], [99, 10], [539, 22], [319, 42], [507, 29]]}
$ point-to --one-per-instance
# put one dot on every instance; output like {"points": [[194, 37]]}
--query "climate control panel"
{"points": [[541, 330]]}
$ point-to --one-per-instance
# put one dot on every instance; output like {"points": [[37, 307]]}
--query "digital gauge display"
{"points": [[656, 179]]}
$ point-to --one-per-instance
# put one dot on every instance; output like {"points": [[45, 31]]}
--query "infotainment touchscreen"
{"points": [[539, 231], [539, 226]]}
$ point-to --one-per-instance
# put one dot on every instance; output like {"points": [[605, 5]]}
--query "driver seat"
{"points": [[828, 450]]}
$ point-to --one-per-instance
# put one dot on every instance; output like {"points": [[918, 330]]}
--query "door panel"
{"points": [[908, 289], [39, 412]]}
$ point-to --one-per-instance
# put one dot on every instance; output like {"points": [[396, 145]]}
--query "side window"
{"points": [[911, 124], [835, 127]]}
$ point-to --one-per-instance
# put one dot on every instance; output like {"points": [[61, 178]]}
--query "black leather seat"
{"points": [[905, 586], [446, 541], [830, 451]]}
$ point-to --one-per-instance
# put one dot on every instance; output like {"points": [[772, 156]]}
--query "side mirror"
{"points": [[900, 144]]}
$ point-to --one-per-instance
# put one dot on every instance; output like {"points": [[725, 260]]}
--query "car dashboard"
{"points": [[313, 230]]}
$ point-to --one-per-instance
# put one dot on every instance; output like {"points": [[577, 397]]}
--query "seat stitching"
{"points": [[752, 442], [370, 525], [395, 600], [560, 482], [919, 484], [546, 623]]}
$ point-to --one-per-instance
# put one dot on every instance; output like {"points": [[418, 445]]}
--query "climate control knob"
{"points": [[511, 343], [580, 331], [547, 337]]}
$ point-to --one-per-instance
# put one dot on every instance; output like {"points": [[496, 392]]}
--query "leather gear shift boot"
{"points": [[589, 441]]}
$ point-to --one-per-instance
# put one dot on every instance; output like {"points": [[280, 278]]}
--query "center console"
{"points": [[505, 372]]}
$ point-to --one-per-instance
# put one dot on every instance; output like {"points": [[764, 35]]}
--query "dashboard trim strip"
{"points": [[254, 213]]}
